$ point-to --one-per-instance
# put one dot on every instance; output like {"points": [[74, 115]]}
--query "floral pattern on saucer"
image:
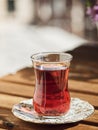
{"points": [[79, 110]]}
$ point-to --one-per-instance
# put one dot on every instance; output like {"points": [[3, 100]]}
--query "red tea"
{"points": [[51, 96]]}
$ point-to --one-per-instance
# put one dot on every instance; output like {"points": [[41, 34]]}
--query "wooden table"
{"points": [[83, 83]]}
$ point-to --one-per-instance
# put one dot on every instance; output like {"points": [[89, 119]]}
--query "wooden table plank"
{"points": [[24, 76], [7, 101], [16, 89]]}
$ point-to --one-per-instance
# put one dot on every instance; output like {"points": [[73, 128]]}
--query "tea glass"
{"points": [[51, 96]]}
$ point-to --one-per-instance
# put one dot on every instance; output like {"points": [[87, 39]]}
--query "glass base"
{"points": [[50, 116]]}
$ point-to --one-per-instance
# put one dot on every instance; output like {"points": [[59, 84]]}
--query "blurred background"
{"points": [[31, 26]]}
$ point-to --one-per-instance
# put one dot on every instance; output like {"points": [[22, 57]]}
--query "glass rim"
{"points": [[68, 57]]}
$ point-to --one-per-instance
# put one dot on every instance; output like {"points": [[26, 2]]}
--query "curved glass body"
{"points": [[51, 95]]}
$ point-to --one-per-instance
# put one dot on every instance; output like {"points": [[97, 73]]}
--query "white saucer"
{"points": [[79, 110]]}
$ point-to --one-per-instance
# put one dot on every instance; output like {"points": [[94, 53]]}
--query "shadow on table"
{"points": [[84, 66], [89, 123], [52, 127]]}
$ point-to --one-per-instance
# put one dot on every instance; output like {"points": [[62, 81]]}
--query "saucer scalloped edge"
{"points": [[79, 110]]}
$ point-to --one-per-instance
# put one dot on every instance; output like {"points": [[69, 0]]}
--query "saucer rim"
{"points": [[50, 122]]}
